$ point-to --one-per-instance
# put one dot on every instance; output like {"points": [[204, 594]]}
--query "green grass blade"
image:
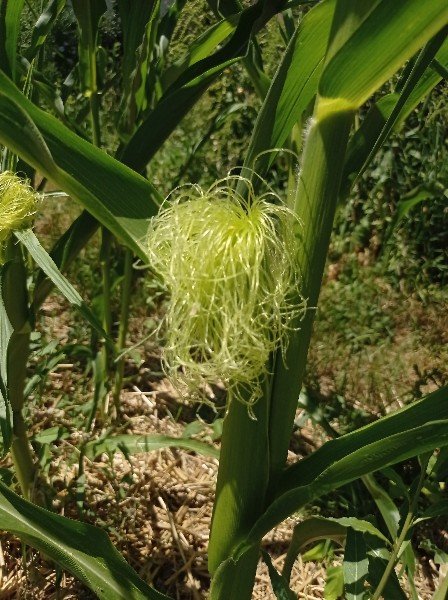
{"points": [[279, 584], [64, 252], [44, 261], [139, 22], [70, 543], [119, 198], [88, 15], [10, 14], [43, 27], [133, 444], [392, 33], [200, 48]]}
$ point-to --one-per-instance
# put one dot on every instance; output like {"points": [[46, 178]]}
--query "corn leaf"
{"points": [[309, 531], [133, 444], [43, 26], [119, 198], [387, 115], [10, 13], [44, 261], [293, 86], [279, 584], [88, 15], [391, 517], [200, 48], [139, 22], [396, 437], [65, 250], [70, 543], [391, 34], [378, 557], [186, 90], [355, 566]]}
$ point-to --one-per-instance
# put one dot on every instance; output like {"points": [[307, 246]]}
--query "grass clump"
{"points": [[230, 265], [18, 204]]}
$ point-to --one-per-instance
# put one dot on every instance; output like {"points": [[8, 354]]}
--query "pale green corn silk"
{"points": [[230, 265], [18, 203]]}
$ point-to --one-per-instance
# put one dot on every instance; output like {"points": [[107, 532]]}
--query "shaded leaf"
{"points": [[88, 15], [10, 14], [279, 584], [307, 532], [44, 261], [405, 433], [133, 444], [70, 543], [43, 26], [378, 559], [355, 566]]}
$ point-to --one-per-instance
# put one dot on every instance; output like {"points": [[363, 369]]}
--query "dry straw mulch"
{"points": [[157, 508]]}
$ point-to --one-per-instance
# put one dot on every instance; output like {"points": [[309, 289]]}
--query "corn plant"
{"points": [[256, 262]]}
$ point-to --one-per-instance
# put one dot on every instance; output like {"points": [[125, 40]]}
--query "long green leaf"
{"points": [[43, 26], [355, 566], [10, 13], [44, 261], [293, 86], [119, 198], [408, 432], [279, 584], [133, 444], [200, 48], [64, 252], [81, 549], [392, 33], [309, 531], [186, 90], [383, 117], [88, 15], [139, 22], [5, 336]]}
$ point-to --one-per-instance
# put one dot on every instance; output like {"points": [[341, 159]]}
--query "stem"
{"points": [[316, 202], [124, 324], [106, 242], [15, 300], [241, 487], [95, 118], [253, 454], [404, 531], [24, 467]]}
